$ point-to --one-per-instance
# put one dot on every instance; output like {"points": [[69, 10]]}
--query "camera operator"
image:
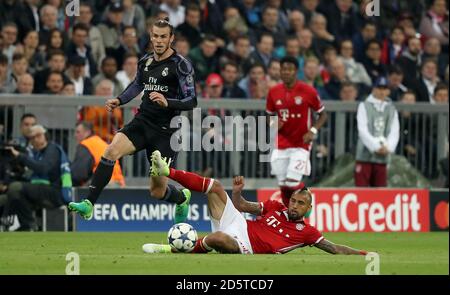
{"points": [[50, 184]]}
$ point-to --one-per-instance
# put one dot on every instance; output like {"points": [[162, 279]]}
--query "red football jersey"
{"points": [[272, 232], [293, 107]]}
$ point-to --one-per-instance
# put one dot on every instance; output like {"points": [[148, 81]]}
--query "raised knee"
{"points": [[216, 187], [219, 239]]}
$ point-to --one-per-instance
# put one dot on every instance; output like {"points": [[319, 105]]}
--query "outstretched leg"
{"points": [[119, 147]]}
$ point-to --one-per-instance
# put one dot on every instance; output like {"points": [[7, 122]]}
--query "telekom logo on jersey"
{"points": [[365, 210]]}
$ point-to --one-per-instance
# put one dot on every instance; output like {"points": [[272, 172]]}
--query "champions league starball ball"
{"points": [[182, 237]]}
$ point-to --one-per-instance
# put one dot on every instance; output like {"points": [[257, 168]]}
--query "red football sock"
{"points": [[191, 180], [200, 247], [287, 191]]}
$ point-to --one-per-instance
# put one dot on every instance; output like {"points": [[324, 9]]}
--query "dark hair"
{"points": [[305, 191], [272, 60], [348, 84], [257, 65], [209, 37], [267, 7], [49, 40], [124, 28], [18, 56], [240, 37], [428, 60], [80, 26], [264, 34], [229, 63], [27, 115], [193, 7], [108, 57], [408, 91], [290, 60], [54, 52], [290, 38], [439, 87], [3, 59], [372, 41], [164, 23], [86, 125], [56, 73], [395, 69]]}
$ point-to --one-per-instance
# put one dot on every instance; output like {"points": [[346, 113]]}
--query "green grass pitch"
{"points": [[120, 253]]}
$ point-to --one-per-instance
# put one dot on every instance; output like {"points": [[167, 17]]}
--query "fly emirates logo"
{"points": [[154, 86], [370, 212]]}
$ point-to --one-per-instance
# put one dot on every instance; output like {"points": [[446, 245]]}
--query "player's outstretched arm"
{"points": [[239, 202], [333, 248]]}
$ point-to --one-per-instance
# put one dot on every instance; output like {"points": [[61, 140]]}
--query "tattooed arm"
{"points": [[333, 248], [239, 202]]}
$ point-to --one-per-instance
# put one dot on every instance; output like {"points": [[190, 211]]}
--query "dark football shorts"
{"points": [[145, 135]]}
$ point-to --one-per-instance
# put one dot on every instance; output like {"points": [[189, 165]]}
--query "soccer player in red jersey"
{"points": [[277, 229], [294, 103]]}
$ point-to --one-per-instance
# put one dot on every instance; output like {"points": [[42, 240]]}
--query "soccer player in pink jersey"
{"points": [[277, 228]]}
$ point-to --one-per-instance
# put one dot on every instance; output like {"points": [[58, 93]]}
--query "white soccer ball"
{"points": [[182, 237]]}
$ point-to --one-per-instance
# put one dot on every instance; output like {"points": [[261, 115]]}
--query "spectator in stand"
{"points": [[49, 21], [29, 49], [128, 72], [341, 18], [435, 22], [440, 95], [296, 22], [374, 67], [355, 71], [409, 122], [269, 25], [361, 39], [406, 21], [9, 38], [433, 49], [78, 47], [428, 81], [88, 153], [60, 14], [191, 29], [105, 124], [76, 74], [69, 89], [56, 62], [134, 15], [308, 8], [19, 67], [111, 29], [262, 54], [292, 48], [274, 73], [230, 75], [5, 81], [395, 83], [128, 45], [312, 75], [175, 10], [329, 55], [410, 61], [378, 129], [109, 72], [25, 84], [338, 76], [348, 92], [283, 19], [305, 37], [29, 20], [205, 58], [393, 46], [182, 46], [322, 38], [55, 41], [54, 83], [234, 25], [252, 12], [95, 39], [255, 84], [238, 51]]}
